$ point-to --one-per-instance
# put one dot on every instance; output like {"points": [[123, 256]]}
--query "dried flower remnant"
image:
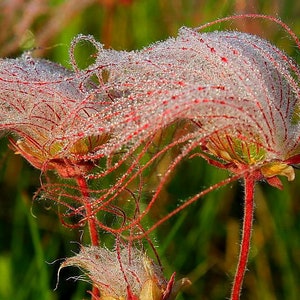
{"points": [[43, 105], [125, 274]]}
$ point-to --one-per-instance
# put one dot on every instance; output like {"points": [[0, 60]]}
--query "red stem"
{"points": [[246, 237], [91, 222]]}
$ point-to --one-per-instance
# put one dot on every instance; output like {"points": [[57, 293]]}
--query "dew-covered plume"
{"points": [[221, 81], [45, 105]]}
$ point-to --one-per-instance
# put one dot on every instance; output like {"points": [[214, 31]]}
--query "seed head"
{"points": [[125, 274], [240, 92], [43, 104]]}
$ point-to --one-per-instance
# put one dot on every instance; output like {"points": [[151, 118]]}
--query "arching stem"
{"points": [[92, 226], [246, 237]]}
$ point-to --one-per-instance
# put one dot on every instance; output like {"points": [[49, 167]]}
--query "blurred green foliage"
{"points": [[201, 242]]}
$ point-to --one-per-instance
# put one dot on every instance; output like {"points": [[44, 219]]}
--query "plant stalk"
{"points": [[246, 237], [92, 226]]}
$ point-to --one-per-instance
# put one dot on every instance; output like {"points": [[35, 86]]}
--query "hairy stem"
{"points": [[92, 226], [246, 237]]}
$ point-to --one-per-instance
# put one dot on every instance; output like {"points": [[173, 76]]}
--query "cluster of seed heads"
{"points": [[236, 94]]}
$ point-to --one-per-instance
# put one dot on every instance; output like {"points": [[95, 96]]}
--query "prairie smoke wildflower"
{"points": [[43, 105], [239, 93], [125, 274]]}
